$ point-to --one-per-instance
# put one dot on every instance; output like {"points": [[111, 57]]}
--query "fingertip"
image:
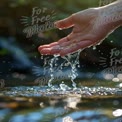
{"points": [[55, 23], [39, 48], [45, 51], [43, 46], [58, 25]]}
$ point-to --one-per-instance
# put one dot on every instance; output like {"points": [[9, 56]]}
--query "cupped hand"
{"points": [[88, 30]]}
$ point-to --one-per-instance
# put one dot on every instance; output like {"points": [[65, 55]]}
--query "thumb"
{"points": [[65, 23]]}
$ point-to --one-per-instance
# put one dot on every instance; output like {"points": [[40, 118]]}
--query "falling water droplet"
{"points": [[42, 57], [111, 41], [52, 61], [94, 47], [78, 66], [56, 64]]}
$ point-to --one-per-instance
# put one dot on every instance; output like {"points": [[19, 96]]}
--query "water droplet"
{"points": [[63, 86], [56, 64], [94, 47], [56, 55], [60, 29], [42, 57], [99, 43], [111, 41], [78, 66]]}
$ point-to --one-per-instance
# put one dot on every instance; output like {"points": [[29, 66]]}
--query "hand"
{"points": [[88, 30]]}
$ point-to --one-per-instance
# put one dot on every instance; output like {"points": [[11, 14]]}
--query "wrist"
{"points": [[111, 15]]}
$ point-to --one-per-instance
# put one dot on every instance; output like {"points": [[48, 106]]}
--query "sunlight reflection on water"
{"points": [[84, 104]]}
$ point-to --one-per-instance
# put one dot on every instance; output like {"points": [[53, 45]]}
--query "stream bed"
{"points": [[43, 104]]}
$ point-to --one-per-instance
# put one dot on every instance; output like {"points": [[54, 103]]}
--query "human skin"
{"points": [[90, 27]]}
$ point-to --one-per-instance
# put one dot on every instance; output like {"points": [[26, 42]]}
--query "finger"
{"points": [[54, 48], [51, 51], [47, 46], [68, 43], [70, 37], [75, 47], [65, 39], [65, 44], [45, 51], [65, 23]]}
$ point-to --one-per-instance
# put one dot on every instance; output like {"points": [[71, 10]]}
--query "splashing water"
{"points": [[71, 60], [55, 67], [73, 65], [52, 62], [64, 87]]}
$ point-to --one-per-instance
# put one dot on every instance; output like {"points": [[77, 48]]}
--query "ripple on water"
{"points": [[62, 90]]}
